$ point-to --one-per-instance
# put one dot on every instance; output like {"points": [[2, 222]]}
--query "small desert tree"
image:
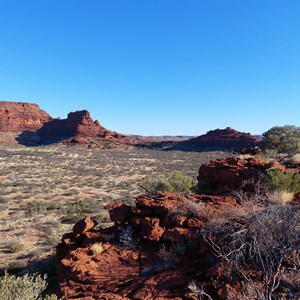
{"points": [[284, 139]]}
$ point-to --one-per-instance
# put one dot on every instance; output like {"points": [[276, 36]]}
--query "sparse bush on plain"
{"points": [[27, 287], [17, 265], [175, 183], [37, 207], [16, 247]]}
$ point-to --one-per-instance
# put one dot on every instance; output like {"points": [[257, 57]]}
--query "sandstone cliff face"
{"points": [[19, 116], [219, 139], [79, 125]]}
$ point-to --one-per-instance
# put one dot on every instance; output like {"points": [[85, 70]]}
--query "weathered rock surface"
{"points": [[79, 125], [124, 272], [234, 173], [19, 117], [220, 139]]}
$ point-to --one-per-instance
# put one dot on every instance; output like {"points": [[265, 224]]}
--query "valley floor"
{"points": [[45, 190]]}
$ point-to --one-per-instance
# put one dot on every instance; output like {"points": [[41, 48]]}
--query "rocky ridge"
{"points": [[220, 139]]}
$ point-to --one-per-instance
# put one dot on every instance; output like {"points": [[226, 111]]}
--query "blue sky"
{"points": [[155, 67]]}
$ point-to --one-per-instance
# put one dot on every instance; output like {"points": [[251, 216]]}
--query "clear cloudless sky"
{"points": [[156, 67]]}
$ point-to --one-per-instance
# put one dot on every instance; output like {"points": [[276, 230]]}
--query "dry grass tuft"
{"points": [[97, 248], [280, 197]]}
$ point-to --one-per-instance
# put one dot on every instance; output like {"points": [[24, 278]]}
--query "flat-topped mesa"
{"points": [[219, 139], [20, 116], [78, 124], [227, 134]]}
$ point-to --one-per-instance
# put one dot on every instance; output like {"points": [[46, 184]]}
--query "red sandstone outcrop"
{"points": [[234, 173], [219, 139], [79, 126], [19, 117], [126, 271]]}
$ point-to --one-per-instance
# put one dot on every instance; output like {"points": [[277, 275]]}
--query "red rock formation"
{"points": [[233, 173], [79, 125], [219, 139], [19, 116], [122, 272]]}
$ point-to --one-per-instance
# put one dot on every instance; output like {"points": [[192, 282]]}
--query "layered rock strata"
{"points": [[19, 117]]}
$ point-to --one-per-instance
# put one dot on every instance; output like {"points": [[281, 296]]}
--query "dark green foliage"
{"points": [[274, 179], [285, 139]]}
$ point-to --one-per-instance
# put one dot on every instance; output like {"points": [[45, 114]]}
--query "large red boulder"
{"points": [[234, 173], [119, 213], [83, 226]]}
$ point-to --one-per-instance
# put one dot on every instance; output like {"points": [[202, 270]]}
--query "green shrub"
{"points": [[36, 207], [285, 139], [175, 183], [28, 287], [83, 206], [274, 180]]}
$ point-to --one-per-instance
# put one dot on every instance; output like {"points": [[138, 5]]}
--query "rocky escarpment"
{"points": [[77, 128], [19, 117], [226, 139]]}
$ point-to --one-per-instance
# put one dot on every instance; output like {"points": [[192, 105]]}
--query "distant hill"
{"points": [[162, 138], [33, 126], [220, 139]]}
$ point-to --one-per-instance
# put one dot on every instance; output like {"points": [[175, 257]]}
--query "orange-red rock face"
{"points": [[78, 125], [137, 273], [19, 116], [234, 173]]}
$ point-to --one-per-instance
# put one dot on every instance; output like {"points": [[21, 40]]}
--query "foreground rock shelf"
{"points": [[129, 265], [157, 248]]}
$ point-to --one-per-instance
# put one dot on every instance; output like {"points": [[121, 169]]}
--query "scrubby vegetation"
{"points": [[275, 180], [283, 139], [258, 253], [175, 183], [27, 287]]}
